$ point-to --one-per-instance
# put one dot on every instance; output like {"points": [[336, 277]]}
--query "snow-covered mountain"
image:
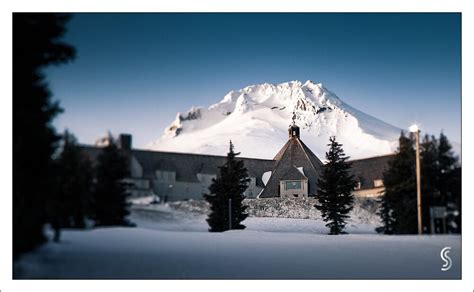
{"points": [[256, 119]]}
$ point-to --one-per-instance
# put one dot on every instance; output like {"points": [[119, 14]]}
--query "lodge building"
{"points": [[292, 173]]}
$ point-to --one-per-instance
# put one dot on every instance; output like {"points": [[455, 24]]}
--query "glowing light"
{"points": [[414, 128]]}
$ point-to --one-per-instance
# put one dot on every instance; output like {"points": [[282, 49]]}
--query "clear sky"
{"points": [[134, 72]]}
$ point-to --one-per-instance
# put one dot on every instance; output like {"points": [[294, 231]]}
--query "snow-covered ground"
{"points": [[164, 217], [172, 244]]}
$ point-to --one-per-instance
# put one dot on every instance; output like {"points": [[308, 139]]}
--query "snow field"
{"points": [[172, 244]]}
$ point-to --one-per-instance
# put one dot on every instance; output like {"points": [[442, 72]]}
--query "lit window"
{"points": [[293, 185], [378, 183]]}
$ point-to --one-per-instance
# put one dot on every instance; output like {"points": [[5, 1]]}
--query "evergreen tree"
{"points": [[386, 216], [73, 199], [335, 189], [400, 191], [36, 45], [440, 182], [454, 203], [449, 183], [429, 178], [446, 163], [228, 189], [110, 194]]}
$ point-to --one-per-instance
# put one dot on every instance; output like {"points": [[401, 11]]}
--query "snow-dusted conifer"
{"points": [[386, 217], [335, 189], [227, 190]]}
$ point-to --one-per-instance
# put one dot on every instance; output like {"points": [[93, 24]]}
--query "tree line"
{"points": [[441, 186], [54, 182]]}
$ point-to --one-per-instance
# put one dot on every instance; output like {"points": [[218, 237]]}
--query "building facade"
{"points": [[296, 170], [292, 173]]}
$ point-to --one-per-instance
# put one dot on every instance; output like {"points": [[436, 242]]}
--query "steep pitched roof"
{"points": [[294, 174], [293, 154]]}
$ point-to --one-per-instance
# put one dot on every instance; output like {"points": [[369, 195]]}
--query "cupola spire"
{"points": [[293, 130]]}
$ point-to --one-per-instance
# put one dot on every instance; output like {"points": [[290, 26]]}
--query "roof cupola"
{"points": [[293, 130]]}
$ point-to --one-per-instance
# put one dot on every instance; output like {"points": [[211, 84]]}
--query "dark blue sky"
{"points": [[133, 72]]}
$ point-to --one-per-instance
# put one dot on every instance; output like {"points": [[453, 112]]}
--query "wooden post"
{"points": [[418, 181]]}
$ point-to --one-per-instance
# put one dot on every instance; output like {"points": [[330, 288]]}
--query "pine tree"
{"points": [[228, 189], [386, 216], [72, 201], [429, 178], [335, 189], [110, 194], [454, 203], [400, 190], [36, 45], [440, 181], [449, 183], [446, 163]]}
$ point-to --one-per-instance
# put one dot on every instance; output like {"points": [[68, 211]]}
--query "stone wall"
{"points": [[364, 208]]}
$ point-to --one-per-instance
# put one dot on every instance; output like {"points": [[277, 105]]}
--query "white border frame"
{"points": [[7, 285]]}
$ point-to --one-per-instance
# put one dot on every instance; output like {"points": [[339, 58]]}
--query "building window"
{"points": [[293, 185], [378, 183], [358, 185]]}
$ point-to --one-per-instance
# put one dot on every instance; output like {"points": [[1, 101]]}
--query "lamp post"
{"points": [[416, 130]]}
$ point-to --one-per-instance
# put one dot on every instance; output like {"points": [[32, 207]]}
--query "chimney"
{"points": [[125, 142]]}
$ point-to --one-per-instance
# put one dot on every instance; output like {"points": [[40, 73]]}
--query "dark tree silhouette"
{"points": [[400, 190], [335, 188], [110, 195], [429, 178], [228, 188], [36, 44], [386, 216], [449, 183], [454, 203], [446, 163], [440, 181], [72, 201]]}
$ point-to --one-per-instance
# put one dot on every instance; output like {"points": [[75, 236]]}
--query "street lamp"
{"points": [[416, 130]]}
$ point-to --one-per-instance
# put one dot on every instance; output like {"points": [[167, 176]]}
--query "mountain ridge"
{"points": [[256, 119]]}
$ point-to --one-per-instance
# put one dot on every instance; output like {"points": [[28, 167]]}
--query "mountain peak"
{"points": [[310, 83], [259, 114]]}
